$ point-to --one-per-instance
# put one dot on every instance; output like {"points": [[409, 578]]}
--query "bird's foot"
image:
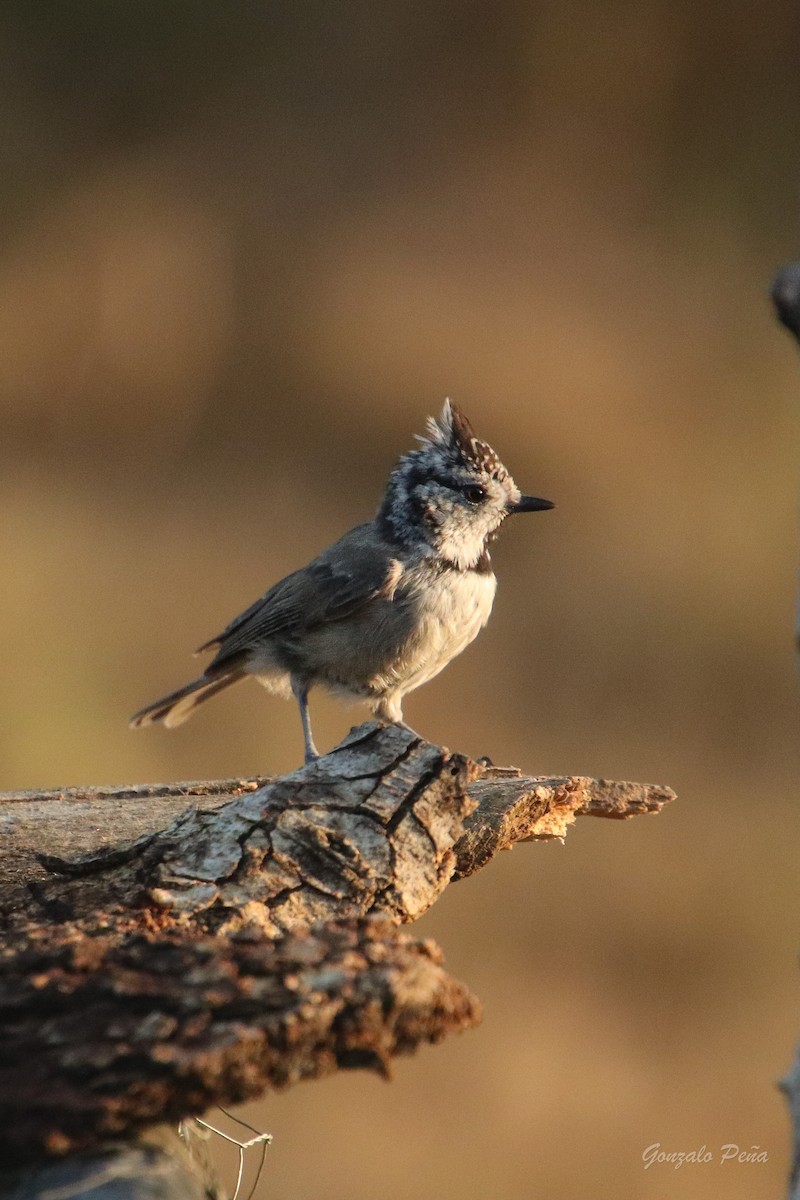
{"points": [[408, 729]]}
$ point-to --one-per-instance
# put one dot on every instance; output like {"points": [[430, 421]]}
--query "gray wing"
{"points": [[349, 574]]}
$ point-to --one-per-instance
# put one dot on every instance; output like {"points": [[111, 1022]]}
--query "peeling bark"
{"points": [[380, 825], [100, 1037], [253, 941], [514, 808]]}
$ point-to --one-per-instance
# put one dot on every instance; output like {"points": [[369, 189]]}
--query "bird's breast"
{"points": [[449, 610], [459, 601], [392, 645]]}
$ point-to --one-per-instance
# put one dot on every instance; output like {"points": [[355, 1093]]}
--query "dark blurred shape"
{"points": [[785, 294]]}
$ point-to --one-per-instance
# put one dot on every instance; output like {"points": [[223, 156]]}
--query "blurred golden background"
{"points": [[246, 250]]}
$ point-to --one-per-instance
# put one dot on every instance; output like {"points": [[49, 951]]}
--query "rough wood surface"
{"points": [[74, 820], [99, 1037], [380, 825], [158, 959], [157, 1164]]}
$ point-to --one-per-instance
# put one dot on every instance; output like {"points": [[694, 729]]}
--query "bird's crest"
{"points": [[452, 432]]}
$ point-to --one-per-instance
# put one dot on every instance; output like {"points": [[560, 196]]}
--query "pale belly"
{"points": [[400, 645], [391, 647], [451, 616]]}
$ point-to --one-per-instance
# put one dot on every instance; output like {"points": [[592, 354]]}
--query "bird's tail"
{"points": [[178, 706]]}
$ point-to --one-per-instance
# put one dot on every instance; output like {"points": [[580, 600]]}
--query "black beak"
{"points": [[530, 504]]}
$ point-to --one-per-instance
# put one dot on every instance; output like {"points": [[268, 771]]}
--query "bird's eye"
{"points": [[474, 493]]}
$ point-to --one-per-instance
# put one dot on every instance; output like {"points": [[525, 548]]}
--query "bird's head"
{"points": [[452, 493]]}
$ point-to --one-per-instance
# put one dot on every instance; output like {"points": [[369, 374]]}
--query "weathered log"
{"points": [[253, 941], [100, 1037], [160, 1163], [379, 825]]}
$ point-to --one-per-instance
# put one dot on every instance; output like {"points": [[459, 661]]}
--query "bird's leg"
{"points": [[300, 691], [391, 709]]}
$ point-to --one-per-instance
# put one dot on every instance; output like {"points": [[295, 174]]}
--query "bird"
{"points": [[384, 609]]}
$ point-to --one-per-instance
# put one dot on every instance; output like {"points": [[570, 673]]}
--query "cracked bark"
{"points": [[253, 941], [102, 1037]]}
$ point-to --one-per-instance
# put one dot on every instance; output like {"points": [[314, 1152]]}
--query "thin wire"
{"points": [[264, 1140]]}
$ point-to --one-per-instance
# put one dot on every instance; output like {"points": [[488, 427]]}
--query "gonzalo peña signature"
{"points": [[730, 1152]]}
